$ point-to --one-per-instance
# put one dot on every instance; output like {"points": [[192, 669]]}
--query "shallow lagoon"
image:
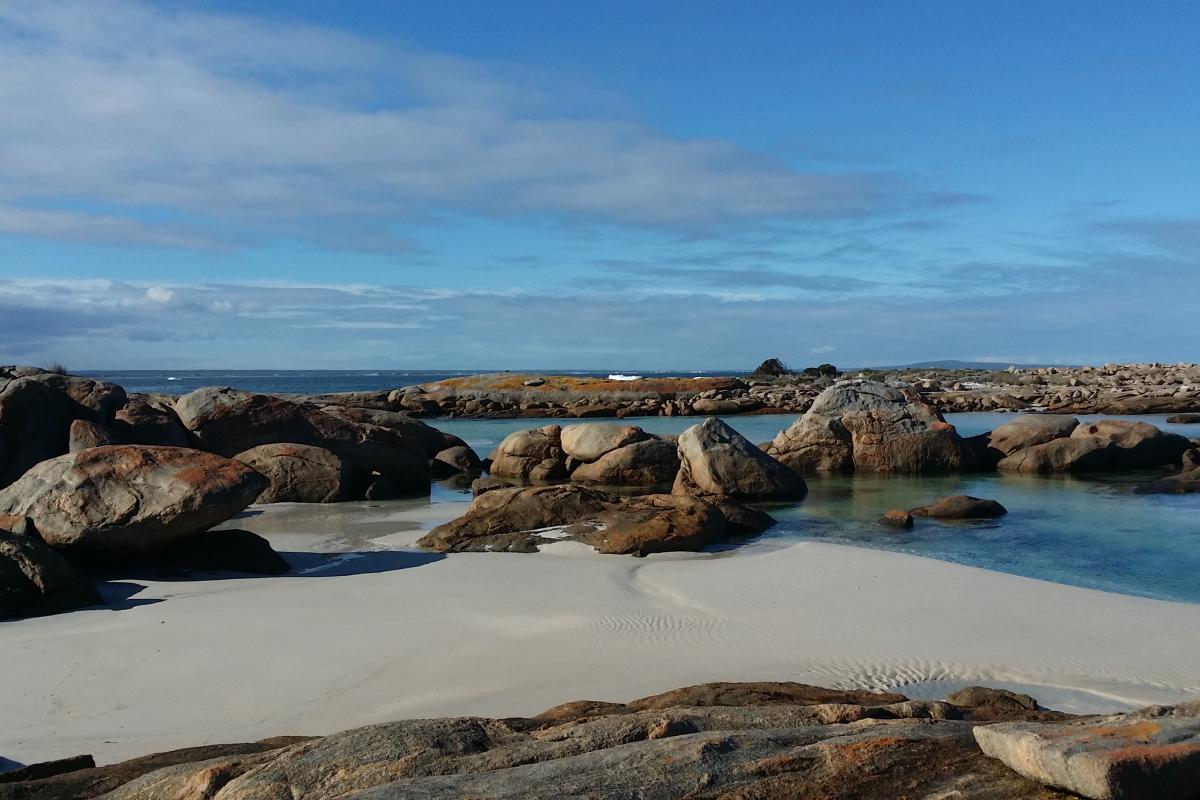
{"points": [[1072, 530]]}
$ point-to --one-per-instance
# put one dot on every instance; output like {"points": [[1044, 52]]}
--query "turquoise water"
{"points": [[1077, 531]]}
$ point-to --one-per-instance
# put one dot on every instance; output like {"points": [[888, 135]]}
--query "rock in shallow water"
{"points": [[866, 426], [717, 461], [961, 506]]}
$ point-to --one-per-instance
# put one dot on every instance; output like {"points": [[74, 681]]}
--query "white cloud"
{"points": [[187, 129]]}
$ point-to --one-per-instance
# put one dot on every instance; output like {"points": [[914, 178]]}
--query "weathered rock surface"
{"points": [[896, 518], [229, 422], [1028, 430], [481, 485], [870, 427], [729, 741], [130, 500], [647, 462], [961, 506], [533, 456], [521, 519], [35, 580], [148, 419], [459, 459], [299, 473], [588, 442], [36, 412], [84, 434], [1099, 446], [717, 461], [1153, 753]]}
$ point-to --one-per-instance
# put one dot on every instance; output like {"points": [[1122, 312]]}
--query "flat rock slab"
{"points": [[1152, 754]]}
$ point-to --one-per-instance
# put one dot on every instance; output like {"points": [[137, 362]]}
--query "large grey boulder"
{"points": [[299, 473], [228, 422], [591, 441], [533, 456], [867, 426], [1153, 753], [648, 462], [130, 499], [36, 580], [715, 460]]}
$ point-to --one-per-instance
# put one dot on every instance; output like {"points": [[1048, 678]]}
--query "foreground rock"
{"points": [[35, 580], [1152, 753], [961, 507], [130, 500], [523, 519], [299, 473], [724, 740], [717, 461], [866, 426]]}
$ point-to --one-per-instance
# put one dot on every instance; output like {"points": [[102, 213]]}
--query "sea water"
{"points": [[1092, 532]]}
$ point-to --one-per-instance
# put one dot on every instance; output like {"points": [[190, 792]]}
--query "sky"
{"points": [[508, 184]]}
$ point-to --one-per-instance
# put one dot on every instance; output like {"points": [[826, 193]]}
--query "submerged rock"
{"points": [[130, 499], [961, 506], [896, 518]]}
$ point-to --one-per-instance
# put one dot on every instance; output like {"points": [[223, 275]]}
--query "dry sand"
{"points": [[392, 633]]}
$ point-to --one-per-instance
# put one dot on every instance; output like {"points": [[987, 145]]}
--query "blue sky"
{"points": [[236, 184]]}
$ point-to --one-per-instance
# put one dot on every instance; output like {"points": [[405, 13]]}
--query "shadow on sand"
{"points": [[119, 591]]}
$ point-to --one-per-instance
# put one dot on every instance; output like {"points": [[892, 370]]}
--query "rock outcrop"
{"points": [[299, 473], [1028, 430], [1186, 482], [649, 462], [523, 519], [866, 426], [717, 461], [1152, 753], [725, 740], [130, 500]]}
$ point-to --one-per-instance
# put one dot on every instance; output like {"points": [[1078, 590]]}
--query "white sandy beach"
{"points": [[416, 634]]}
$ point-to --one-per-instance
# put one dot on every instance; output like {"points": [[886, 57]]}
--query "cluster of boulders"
{"points": [[1049, 443], [711, 470], [706, 742], [91, 477]]}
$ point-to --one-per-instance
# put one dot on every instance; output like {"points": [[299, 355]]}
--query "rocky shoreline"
{"points": [[1109, 389], [711, 741], [91, 476]]}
